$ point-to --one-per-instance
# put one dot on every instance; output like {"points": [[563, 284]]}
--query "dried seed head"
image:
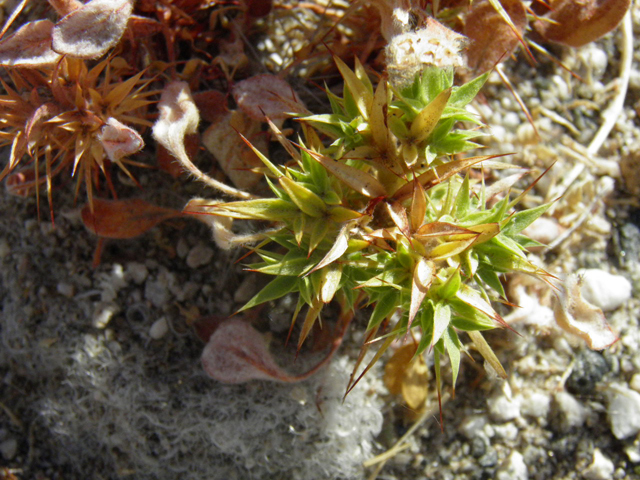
{"points": [[433, 45]]}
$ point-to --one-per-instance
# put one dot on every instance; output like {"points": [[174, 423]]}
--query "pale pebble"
{"points": [[9, 448], [138, 272], [199, 256], [601, 467], [570, 411], [103, 313], [623, 410], [535, 404], [503, 408], [507, 432], [472, 426], [513, 468], [604, 290], [159, 328], [65, 289], [635, 382]]}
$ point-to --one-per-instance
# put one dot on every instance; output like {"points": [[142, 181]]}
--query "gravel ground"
{"points": [[100, 367]]}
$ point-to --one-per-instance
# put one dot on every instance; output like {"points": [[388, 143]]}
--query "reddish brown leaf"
{"points": [[238, 353], [576, 23], [212, 105], [492, 39], [124, 218], [232, 153], [267, 95]]}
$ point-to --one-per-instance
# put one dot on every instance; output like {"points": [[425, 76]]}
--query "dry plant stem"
{"points": [[13, 16], [381, 460], [610, 115], [605, 189], [507, 82]]}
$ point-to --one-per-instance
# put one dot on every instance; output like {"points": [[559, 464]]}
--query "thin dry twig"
{"points": [[400, 445]]}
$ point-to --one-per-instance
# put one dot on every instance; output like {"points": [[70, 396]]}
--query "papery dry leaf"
{"points": [[119, 140], [64, 7], [267, 95], [492, 39], [23, 183], [29, 46], [579, 317], [576, 23], [408, 375], [238, 353], [91, 31], [124, 218], [232, 153]]}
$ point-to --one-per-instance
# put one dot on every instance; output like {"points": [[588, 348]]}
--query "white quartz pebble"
{"points": [[513, 468], [623, 410], [604, 290], [601, 467], [159, 328]]}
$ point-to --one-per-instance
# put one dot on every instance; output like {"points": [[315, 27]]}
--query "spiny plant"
{"points": [[62, 113], [388, 215]]}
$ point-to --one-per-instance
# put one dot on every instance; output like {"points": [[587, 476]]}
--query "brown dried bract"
{"points": [[492, 39]]}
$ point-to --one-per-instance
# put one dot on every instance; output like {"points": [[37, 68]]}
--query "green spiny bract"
{"points": [[386, 216]]}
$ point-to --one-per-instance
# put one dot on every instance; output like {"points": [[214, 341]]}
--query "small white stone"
{"points": [[633, 452], [511, 120], [601, 467], [543, 230], [159, 328], [472, 426], [103, 313], [604, 290], [9, 448], [635, 382], [507, 432], [535, 404], [66, 289], [503, 409], [513, 468], [138, 272], [199, 256], [623, 410], [572, 413]]}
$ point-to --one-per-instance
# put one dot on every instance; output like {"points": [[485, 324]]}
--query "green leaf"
{"points": [[388, 302], [462, 95], [441, 319], [450, 287], [307, 201], [463, 201], [271, 209], [453, 346], [275, 289], [523, 219], [294, 267], [491, 278]]}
